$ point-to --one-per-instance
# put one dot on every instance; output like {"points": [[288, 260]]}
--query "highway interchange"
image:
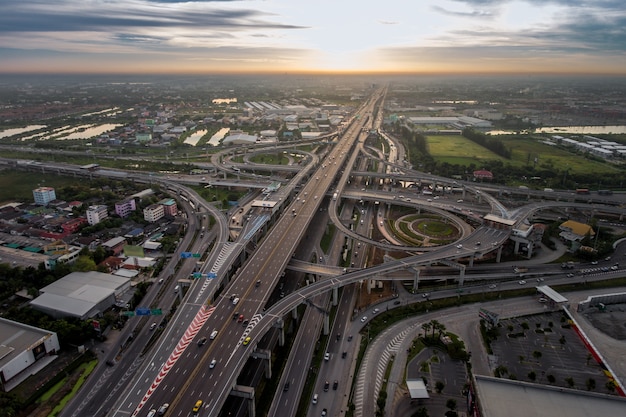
{"points": [[178, 372]]}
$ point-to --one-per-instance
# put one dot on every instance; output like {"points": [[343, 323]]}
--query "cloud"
{"points": [[387, 22], [472, 13], [76, 15]]}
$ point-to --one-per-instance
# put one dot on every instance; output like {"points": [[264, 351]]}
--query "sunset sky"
{"points": [[166, 36]]}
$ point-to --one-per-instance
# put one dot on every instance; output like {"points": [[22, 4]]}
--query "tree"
{"points": [[551, 378], [536, 354], [421, 412], [426, 327], [439, 386], [610, 386], [84, 264], [570, 381], [436, 326], [532, 375], [591, 384], [451, 404], [500, 371]]}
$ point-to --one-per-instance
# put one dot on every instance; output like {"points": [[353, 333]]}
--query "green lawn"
{"points": [[18, 185], [547, 155], [456, 149]]}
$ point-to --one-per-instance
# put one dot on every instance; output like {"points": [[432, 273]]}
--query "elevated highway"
{"points": [[252, 286]]}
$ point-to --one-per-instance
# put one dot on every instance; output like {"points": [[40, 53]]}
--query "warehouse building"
{"points": [[24, 350], [81, 294]]}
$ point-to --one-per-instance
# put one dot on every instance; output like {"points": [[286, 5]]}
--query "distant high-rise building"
{"points": [[95, 214], [44, 195]]}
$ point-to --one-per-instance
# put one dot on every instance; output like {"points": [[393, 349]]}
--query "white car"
{"points": [[363, 319], [212, 364], [375, 311], [522, 282], [326, 356]]}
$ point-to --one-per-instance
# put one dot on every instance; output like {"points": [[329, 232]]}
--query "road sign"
{"points": [[211, 275], [185, 255], [142, 311], [197, 275], [156, 312], [195, 255], [128, 313]]}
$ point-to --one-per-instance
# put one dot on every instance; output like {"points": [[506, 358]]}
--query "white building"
{"points": [[81, 294], [95, 214], [26, 350], [153, 212], [44, 195]]}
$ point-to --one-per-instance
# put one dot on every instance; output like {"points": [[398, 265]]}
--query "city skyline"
{"points": [[281, 36]]}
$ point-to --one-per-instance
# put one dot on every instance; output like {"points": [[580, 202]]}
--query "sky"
{"points": [[292, 36]]}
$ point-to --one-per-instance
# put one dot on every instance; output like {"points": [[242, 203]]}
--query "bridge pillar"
{"points": [[462, 276], [499, 255], [268, 367], [530, 247], [516, 249], [294, 313], [335, 296], [281, 333], [326, 324], [251, 408], [416, 279], [471, 261], [247, 393]]}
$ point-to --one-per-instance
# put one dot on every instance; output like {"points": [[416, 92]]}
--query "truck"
{"points": [[520, 269]]}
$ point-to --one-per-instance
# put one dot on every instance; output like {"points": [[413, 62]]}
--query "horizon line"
{"points": [[325, 72]]}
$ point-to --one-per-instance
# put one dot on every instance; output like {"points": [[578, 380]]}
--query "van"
{"points": [[176, 288], [213, 334], [315, 399]]}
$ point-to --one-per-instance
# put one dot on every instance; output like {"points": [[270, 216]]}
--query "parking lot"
{"points": [[544, 349]]}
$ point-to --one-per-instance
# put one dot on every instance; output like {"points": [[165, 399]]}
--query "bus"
{"points": [[582, 191], [605, 192]]}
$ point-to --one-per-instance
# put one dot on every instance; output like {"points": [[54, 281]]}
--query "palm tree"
{"points": [[435, 325], [441, 328], [426, 327]]}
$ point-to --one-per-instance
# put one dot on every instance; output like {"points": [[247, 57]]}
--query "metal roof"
{"points": [[504, 397], [551, 294]]}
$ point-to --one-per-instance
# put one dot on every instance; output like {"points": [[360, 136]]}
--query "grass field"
{"points": [[455, 149], [18, 186], [549, 155]]}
